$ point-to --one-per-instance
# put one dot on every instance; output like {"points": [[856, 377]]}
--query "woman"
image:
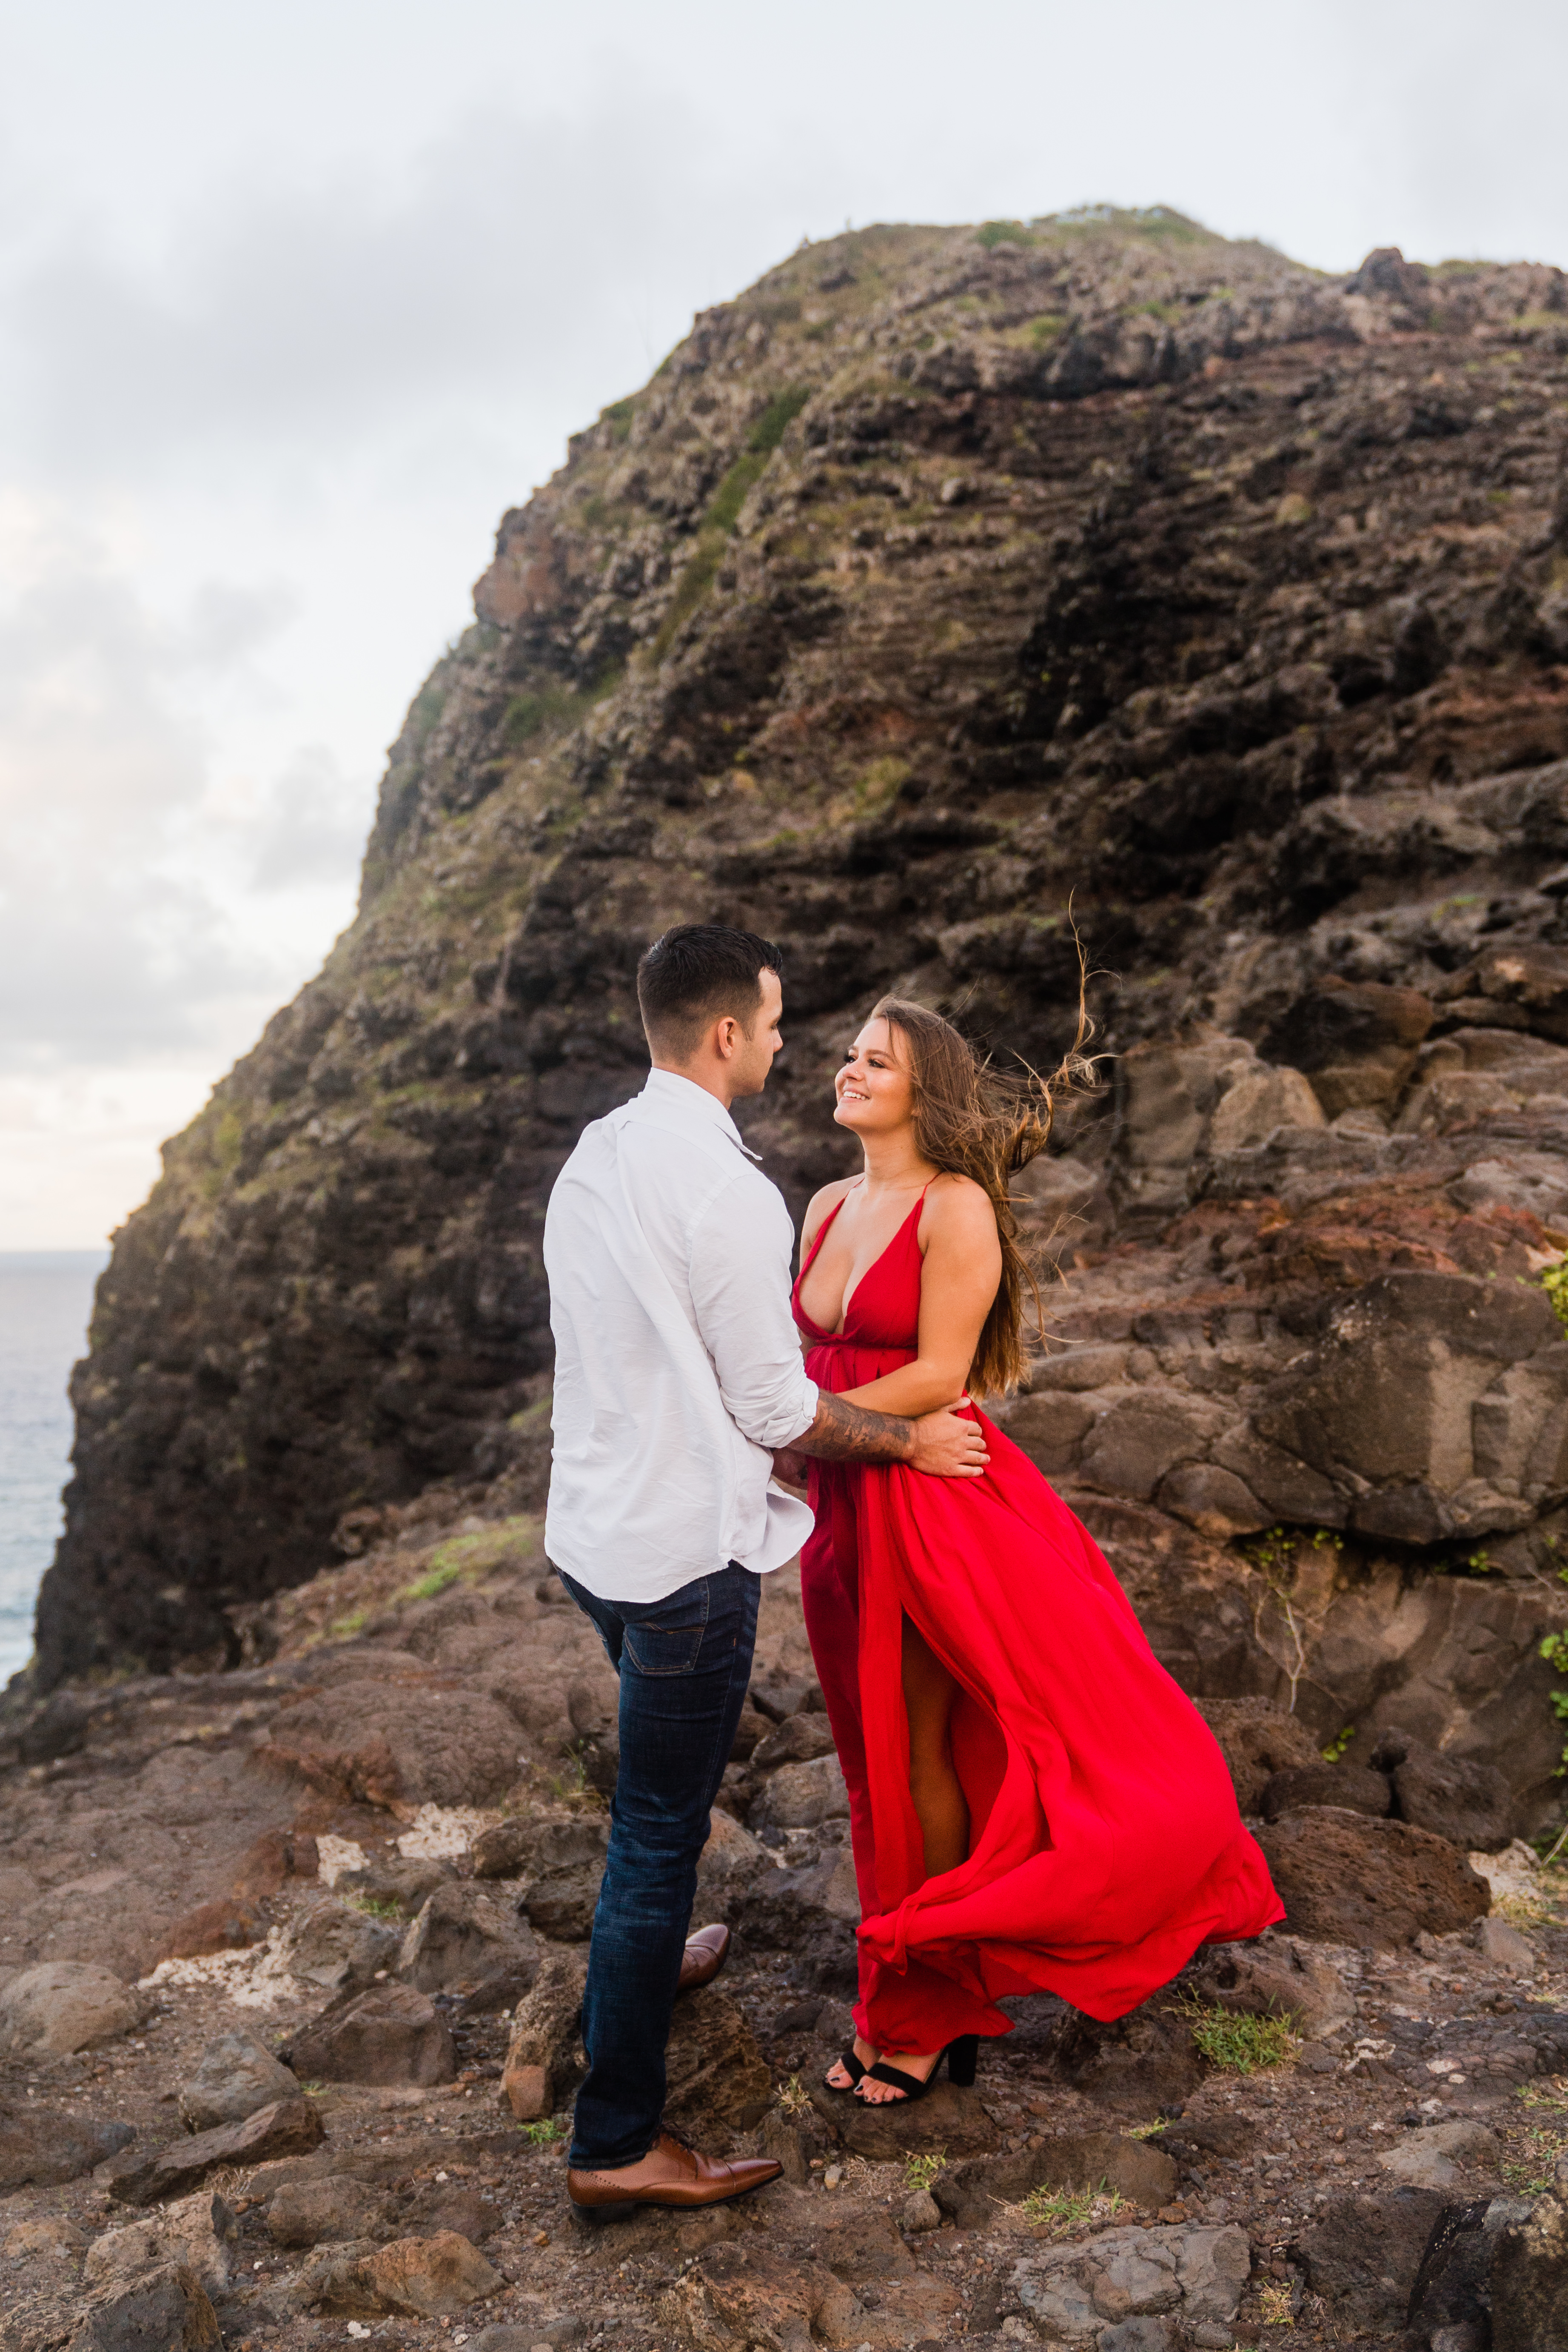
{"points": [[1034, 1803]]}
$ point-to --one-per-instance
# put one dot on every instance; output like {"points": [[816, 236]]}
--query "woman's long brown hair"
{"points": [[971, 1120]]}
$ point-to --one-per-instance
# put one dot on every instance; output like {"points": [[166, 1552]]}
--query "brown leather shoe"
{"points": [[706, 1953], [670, 2174]]}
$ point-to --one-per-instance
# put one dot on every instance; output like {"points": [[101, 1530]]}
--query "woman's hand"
{"points": [[790, 1468]]}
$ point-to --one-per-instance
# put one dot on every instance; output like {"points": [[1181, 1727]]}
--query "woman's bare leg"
{"points": [[939, 1803], [837, 2075], [930, 1692]]}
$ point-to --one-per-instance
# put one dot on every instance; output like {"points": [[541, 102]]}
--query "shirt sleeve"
{"points": [[740, 1290]]}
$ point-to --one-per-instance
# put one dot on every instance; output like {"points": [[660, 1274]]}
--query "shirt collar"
{"points": [[687, 1100]]}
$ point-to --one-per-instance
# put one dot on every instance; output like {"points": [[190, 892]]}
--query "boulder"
{"points": [[800, 1738], [289, 2127], [199, 2232], [1134, 2065], [1345, 1879], [1257, 1740], [391, 2034], [316, 2212], [169, 2311], [1470, 1804], [541, 2052], [732, 1858], [234, 2076], [1362, 2253], [64, 2005], [1502, 1947], [226, 1923], [50, 2235], [948, 2120], [1142, 1435], [1188, 2274], [802, 1796], [717, 2076], [971, 2192], [505, 1849], [41, 2145], [564, 1868], [391, 1883], [462, 1938], [1530, 2277], [338, 1947], [1349, 1786]]}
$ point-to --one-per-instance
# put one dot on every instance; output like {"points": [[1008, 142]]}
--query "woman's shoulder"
{"points": [[957, 1213]]}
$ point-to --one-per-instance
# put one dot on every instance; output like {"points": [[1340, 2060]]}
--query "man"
{"points": [[677, 1375]]}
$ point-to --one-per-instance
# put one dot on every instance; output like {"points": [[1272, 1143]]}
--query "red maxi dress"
{"points": [[1105, 1842]]}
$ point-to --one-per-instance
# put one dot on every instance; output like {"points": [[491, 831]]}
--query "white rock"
{"points": [[1430, 2158], [1515, 1871], [64, 2005], [1503, 1946], [198, 2230], [1195, 2272]]}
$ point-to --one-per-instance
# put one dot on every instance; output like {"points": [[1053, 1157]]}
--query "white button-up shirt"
{"points": [[677, 1364]]}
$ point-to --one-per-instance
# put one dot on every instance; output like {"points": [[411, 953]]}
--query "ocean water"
{"points": [[46, 1299]]}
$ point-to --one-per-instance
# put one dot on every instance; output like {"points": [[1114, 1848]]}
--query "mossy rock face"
{"points": [[944, 576]]}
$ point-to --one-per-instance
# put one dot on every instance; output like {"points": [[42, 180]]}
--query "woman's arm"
{"points": [[958, 1281]]}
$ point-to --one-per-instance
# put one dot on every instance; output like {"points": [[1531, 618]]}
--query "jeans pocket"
{"points": [[669, 1639]]}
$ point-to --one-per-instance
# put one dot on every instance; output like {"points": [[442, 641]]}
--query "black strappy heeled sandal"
{"points": [[962, 2056], [853, 2068]]}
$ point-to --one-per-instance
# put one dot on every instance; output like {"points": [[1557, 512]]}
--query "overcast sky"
{"points": [[295, 300]]}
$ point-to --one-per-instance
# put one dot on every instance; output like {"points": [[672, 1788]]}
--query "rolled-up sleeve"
{"points": [[739, 1291]]}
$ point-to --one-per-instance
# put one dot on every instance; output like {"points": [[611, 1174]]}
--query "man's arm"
{"points": [[940, 1443]]}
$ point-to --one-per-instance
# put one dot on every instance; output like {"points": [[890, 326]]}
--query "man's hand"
{"points": [[792, 1469], [947, 1447]]}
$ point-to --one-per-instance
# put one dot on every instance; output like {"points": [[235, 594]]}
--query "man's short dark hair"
{"points": [[696, 973]]}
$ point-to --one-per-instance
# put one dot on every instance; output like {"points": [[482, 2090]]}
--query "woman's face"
{"points": [[873, 1084]]}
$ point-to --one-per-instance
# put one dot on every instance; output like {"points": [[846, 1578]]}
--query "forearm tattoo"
{"points": [[848, 1433]]}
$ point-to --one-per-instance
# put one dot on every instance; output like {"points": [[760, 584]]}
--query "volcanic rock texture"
{"points": [[940, 579]]}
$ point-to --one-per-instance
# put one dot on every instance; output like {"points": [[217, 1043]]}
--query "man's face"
{"points": [[754, 1052]]}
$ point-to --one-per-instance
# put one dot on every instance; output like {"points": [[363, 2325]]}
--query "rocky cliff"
{"points": [[943, 577]]}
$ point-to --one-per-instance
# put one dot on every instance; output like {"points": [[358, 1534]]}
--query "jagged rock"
{"points": [[1502, 1947], [505, 1850], [288, 2127], [802, 1796], [1345, 1879], [568, 1858], [1452, 2295], [1193, 2273], [51, 2234], [731, 1859], [309, 2212], [225, 1925], [235, 2076], [1141, 2062], [1362, 2253], [339, 1948], [169, 2311], [541, 2051], [462, 1938], [199, 2232], [1258, 1739], [65, 2005], [409, 1884], [438, 2205], [1349, 1786], [430, 2278], [971, 2192], [390, 2034], [38, 2144], [946, 2119], [717, 2074]]}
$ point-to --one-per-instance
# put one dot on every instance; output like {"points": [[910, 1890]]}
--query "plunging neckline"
{"points": [[822, 1234]]}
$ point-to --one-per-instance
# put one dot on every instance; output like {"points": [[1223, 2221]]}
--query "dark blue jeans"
{"points": [[684, 1664]]}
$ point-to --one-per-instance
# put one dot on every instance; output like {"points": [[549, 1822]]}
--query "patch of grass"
{"points": [[546, 2130], [1241, 2045], [919, 2171], [434, 1581], [1338, 1744], [342, 1628], [1530, 2172], [618, 417], [376, 1906], [776, 419], [1044, 330], [1553, 2095], [795, 2098], [550, 710], [1146, 2131], [1274, 2306], [1060, 2211], [486, 1548], [1002, 232], [1554, 1280]]}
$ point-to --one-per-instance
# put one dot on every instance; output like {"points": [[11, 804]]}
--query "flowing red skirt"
{"points": [[1105, 1842]]}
